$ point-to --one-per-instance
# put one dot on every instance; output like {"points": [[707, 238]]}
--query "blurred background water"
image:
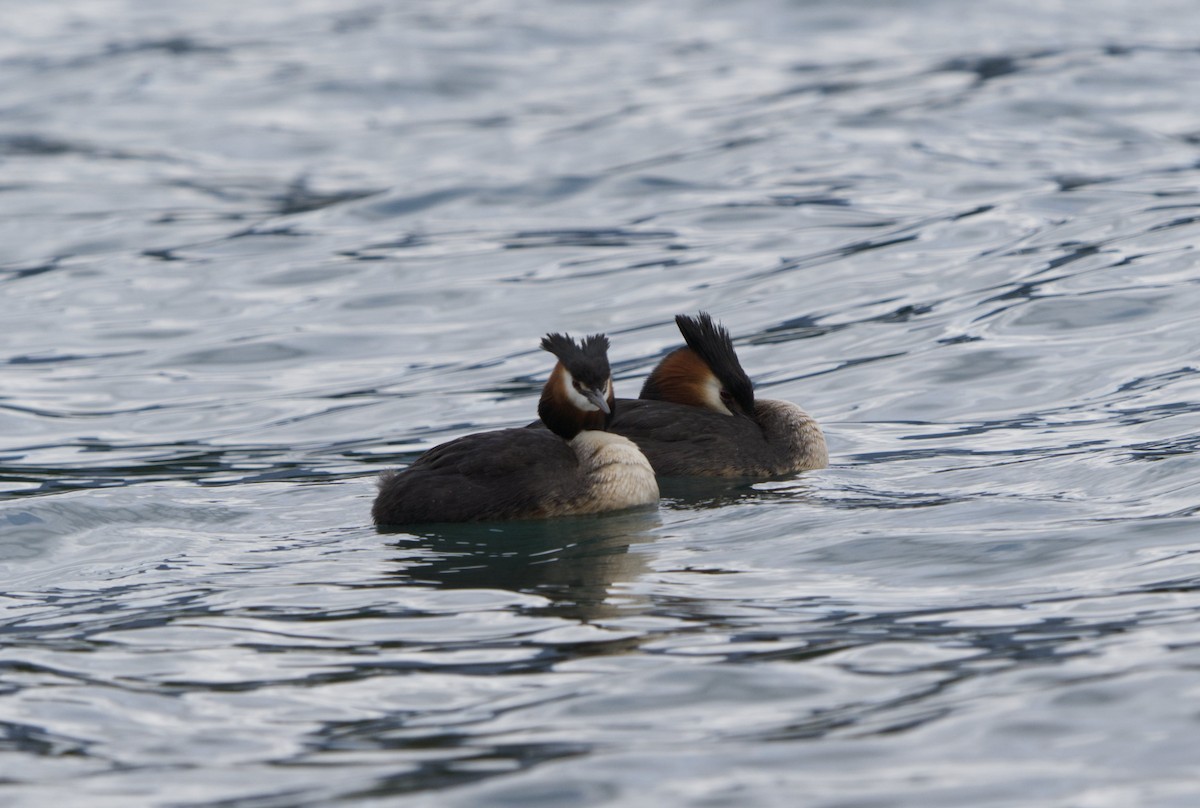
{"points": [[253, 253]]}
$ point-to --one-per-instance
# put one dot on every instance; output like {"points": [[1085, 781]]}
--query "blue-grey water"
{"points": [[253, 253]]}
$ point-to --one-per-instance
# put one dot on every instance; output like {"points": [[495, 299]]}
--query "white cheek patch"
{"points": [[712, 396], [577, 399]]}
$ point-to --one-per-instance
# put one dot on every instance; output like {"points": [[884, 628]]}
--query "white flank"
{"points": [[619, 475]]}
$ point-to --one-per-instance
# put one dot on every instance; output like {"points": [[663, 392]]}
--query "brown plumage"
{"points": [[682, 377], [573, 468]]}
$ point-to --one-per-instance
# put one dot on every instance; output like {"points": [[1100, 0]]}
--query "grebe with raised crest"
{"points": [[698, 416], [576, 467]]}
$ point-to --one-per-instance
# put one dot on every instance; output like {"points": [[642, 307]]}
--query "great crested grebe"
{"points": [[575, 468], [697, 415]]}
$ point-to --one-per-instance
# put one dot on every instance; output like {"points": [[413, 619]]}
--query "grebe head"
{"points": [[579, 392], [706, 373]]}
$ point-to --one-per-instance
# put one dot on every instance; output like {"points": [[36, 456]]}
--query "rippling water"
{"points": [[251, 254]]}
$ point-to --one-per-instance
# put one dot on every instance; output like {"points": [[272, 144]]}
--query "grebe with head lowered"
{"points": [[574, 468], [698, 417]]}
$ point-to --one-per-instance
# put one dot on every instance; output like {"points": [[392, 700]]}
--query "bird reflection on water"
{"points": [[576, 563], [573, 562]]}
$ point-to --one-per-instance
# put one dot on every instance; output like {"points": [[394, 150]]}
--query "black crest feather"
{"points": [[586, 360], [712, 343]]}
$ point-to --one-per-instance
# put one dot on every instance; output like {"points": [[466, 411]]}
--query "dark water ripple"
{"points": [[249, 256]]}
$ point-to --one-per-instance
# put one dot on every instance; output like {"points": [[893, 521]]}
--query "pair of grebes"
{"points": [[591, 452]]}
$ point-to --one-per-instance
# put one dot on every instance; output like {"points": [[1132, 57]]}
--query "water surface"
{"points": [[250, 255]]}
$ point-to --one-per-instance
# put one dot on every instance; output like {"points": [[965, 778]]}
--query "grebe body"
{"points": [[682, 440], [575, 467], [698, 417]]}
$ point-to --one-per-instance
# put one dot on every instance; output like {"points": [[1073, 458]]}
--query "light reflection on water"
{"points": [[250, 256]]}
